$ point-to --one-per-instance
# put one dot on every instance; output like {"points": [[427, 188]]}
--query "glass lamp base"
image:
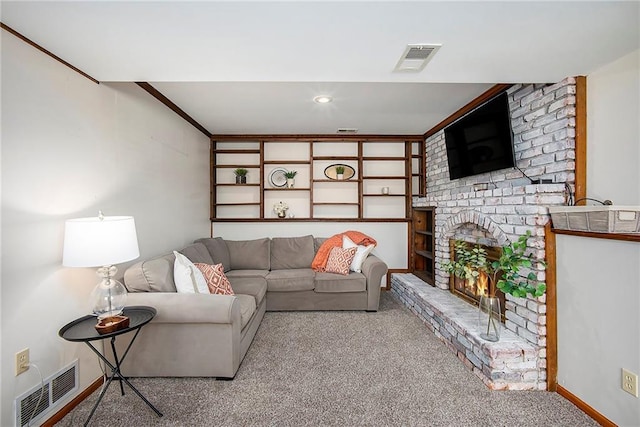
{"points": [[110, 296]]}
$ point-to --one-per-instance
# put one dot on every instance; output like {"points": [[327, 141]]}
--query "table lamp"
{"points": [[102, 241]]}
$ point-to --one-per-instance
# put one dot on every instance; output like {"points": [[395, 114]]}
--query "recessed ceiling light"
{"points": [[323, 99]]}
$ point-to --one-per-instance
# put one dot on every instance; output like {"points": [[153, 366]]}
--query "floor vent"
{"points": [[415, 57], [56, 387]]}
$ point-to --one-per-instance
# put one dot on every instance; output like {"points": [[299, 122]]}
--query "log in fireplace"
{"points": [[470, 290]]}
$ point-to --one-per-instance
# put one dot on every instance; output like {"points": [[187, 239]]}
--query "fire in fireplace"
{"points": [[471, 289]]}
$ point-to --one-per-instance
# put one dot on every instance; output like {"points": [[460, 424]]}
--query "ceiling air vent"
{"points": [[347, 130], [415, 57]]}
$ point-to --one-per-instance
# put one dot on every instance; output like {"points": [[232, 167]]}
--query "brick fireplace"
{"points": [[543, 121]]}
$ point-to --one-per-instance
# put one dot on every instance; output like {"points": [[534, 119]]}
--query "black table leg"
{"points": [[115, 373], [115, 357]]}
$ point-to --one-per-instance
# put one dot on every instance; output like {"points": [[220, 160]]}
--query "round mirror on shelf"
{"points": [[331, 172]]}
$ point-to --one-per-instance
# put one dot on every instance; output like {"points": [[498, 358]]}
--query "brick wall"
{"points": [[543, 122]]}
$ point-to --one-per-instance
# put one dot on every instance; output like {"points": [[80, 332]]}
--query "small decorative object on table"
{"points": [[280, 209], [291, 175], [241, 175], [472, 265], [112, 324], [340, 172]]}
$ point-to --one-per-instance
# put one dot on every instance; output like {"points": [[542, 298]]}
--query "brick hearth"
{"points": [[509, 364]]}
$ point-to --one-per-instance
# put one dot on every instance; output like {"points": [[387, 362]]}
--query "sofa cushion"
{"points": [[249, 254], [247, 308], [317, 242], [291, 252], [247, 273], [300, 279], [339, 260], [361, 254], [187, 277], [254, 286], [330, 282], [152, 275], [217, 282], [218, 250], [197, 252]]}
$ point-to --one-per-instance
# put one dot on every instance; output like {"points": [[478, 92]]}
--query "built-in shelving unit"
{"points": [[381, 187], [423, 244]]}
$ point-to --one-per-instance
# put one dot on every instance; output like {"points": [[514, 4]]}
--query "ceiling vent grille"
{"points": [[347, 130], [415, 57]]}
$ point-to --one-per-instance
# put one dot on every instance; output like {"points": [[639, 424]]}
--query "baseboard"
{"points": [[584, 407], [75, 402]]}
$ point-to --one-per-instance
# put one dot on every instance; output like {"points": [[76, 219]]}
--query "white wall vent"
{"points": [[57, 386], [415, 57]]}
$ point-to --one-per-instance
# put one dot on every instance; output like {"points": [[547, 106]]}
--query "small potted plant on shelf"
{"points": [[241, 175], [280, 209], [472, 265], [340, 172], [290, 175]]}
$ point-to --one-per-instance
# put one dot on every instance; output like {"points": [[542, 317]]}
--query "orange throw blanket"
{"points": [[320, 261]]}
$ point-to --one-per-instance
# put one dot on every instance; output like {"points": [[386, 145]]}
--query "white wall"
{"points": [[391, 236], [69, 148], [613, 132], [598, 281]]}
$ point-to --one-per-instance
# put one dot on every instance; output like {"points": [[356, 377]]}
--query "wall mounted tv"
{"points": [[481, 141]]}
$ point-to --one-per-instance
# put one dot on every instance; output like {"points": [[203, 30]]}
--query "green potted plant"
{"points": [[290, 175], [469, 263], [472, 264], [340, 172], [241, 175]]}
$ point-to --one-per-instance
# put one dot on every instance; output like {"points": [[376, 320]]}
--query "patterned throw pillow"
{"points": [[340, 260], [216, 279]]}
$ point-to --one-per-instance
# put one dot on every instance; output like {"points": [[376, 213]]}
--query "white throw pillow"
{"points": [[361, 254], [188, 278]]}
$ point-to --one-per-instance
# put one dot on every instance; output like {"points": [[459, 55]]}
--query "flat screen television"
{"points": [[481, 141]]}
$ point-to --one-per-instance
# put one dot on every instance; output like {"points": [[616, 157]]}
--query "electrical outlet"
{"points": [[630, 382], [22, 361]]}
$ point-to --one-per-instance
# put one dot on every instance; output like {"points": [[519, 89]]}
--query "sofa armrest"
{"points": [[373, 268], [173, 307]]}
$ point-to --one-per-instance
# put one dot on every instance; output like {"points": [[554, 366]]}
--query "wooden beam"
{"points": [[581, 138], [317, 137], [179, 111], [46, 52], [495, 90], [552, 308]]}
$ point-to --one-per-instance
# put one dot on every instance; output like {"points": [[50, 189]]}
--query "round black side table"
{"points": [[83, 330]]}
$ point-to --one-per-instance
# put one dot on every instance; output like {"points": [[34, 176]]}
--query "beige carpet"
{"points": [[335, 369]]}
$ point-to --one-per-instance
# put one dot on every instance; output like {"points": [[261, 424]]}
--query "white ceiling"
{"points": [[254, 67]]}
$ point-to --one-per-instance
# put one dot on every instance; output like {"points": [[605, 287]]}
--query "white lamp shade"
{"points": [[99, 241]]}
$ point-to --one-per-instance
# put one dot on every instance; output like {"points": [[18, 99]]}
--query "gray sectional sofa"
{"points": [[208, 335]]}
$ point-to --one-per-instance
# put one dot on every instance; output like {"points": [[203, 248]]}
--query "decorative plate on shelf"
{"points": [[331, 173], [277, 178]]}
